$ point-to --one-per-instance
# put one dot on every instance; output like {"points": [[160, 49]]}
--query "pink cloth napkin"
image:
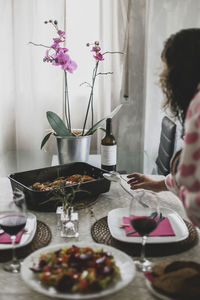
{"points": [[5, 238], [164, 228]]}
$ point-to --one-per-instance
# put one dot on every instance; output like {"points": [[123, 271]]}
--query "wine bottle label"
{"points": [[108, 155]]}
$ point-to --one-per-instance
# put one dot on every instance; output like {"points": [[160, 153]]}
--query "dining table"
{"points": [[13, 287]]}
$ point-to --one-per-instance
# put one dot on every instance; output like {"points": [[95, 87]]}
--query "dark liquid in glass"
{"points": [[13, 224], [144, 225]]}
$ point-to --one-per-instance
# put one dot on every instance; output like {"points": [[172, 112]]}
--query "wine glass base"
{"points": [[13, 267], [143, 265]]}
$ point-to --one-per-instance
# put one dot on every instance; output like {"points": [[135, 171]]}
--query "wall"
{"points": [[164, 17]]}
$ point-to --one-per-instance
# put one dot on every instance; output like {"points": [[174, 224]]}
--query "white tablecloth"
{"points": [[11, 285]]}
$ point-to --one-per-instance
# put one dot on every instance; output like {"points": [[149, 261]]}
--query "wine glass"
{"points": [[144, 214], [12, 221]]}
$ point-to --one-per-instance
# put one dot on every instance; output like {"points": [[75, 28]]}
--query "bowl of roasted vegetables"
{"points": [[78, 271]]}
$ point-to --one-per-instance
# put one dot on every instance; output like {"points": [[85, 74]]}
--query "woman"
{"points": [[180, 82]]}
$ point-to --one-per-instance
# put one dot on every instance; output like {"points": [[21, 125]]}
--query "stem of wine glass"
{"points": [[142, 255], [14, 258]]}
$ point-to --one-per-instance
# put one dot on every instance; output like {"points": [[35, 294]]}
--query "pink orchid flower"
{"points": [[57, 40], [96, 49], [55, 46], [70, 66], [65, 50], [61, 33], [47, 58], [60, 58], [98, 56]]}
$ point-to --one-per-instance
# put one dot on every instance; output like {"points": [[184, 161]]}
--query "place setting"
{"points": [[20, 232], [169, 228], [12, 225], [146, 229]]}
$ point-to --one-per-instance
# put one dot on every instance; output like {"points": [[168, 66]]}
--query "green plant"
{"points": [[66, 198]]}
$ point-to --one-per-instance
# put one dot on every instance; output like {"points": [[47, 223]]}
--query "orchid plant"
{"points": [[57, 55]]}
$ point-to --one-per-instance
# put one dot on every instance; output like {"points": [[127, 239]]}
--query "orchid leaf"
{"points": [[99, 123], [95, 127], [114, 112], [45, 139], [103, 129], [58, 125]]}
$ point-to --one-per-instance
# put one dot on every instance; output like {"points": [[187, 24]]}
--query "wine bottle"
{"points": [[108, 149]]}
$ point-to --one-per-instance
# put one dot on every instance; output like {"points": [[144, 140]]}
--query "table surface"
{"points": [[11, 285]]}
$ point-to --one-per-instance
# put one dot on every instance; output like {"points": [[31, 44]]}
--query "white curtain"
{"points": [[113, 32], [104, 21], [30, 87]]}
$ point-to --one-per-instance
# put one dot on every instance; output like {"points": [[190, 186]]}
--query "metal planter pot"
{"points": [[73, 149]]}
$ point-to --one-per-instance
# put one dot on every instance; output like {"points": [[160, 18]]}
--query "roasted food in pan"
{"points": [[40, 185], [61, 181]]}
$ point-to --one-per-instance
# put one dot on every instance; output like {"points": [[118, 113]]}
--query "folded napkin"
{"points": [[164, 228], [5, 238]]}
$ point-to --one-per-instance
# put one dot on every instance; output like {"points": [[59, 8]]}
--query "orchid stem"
{"points": [[112, 52], [66, 104], [92, 109], [91, 97], [40, 45]]}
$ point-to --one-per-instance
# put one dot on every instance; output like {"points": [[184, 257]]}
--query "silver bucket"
{"points": [[73, 149]]}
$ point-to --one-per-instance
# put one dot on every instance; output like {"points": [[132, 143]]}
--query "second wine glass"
{"points": [[144, 214], [12, 221]]}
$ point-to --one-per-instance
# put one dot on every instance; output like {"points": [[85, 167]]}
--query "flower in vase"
{"points": [[58, 55]]}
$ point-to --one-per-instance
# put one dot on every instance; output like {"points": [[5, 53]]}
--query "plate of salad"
{"points": [[78, 271]]}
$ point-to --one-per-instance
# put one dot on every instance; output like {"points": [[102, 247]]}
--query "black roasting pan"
{"points": [[35, 199]]}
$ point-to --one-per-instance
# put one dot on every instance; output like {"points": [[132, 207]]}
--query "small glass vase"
{"points": [[59, 212], [69, 223]]}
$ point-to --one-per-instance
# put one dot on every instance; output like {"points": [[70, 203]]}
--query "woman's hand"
{"points": [[141, 181]]}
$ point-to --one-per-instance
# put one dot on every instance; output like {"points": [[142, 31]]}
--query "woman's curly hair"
{"points": [[181, 74]]}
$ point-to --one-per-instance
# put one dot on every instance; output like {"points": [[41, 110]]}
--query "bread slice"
{"points": [[159, 269], [191, 288], [177, 265], [172, 283]]}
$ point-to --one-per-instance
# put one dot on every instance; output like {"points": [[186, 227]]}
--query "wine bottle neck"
{"points": [[108, 126]]}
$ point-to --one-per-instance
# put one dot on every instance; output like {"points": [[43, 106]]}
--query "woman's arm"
{"points": [[141, 181]]}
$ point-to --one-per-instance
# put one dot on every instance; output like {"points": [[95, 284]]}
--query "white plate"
{"points": [[115, 219], [154, 292], [123, 261], [31, 225]]}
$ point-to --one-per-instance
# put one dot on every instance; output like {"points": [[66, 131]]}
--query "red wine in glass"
{"points": [[143, 225], [13, 224], [144, 215], [12, 221]]}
